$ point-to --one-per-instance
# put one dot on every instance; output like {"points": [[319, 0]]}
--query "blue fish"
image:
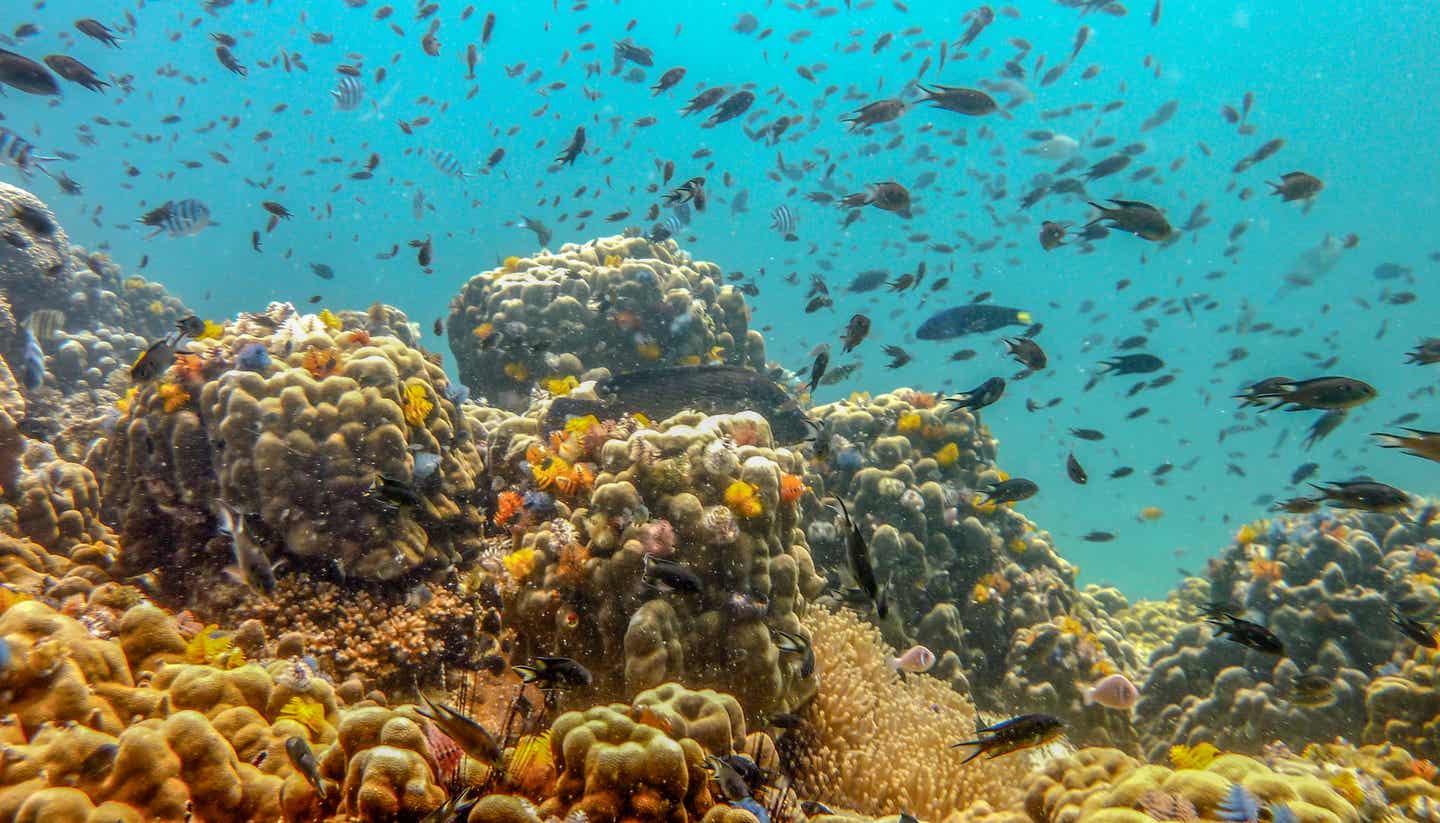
{"points": [[32, 363], [974, 318], [254, 357]]}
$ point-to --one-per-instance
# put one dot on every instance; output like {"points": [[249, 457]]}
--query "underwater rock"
{"points": [[618, 303]]}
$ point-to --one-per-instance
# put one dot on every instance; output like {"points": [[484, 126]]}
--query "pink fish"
{"points": [[1113, 692], [917, 660]]}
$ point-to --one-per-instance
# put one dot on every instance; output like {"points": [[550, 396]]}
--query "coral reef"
{"points": [[314, 434], [619, 303], [700, 491], [881, 746], [1325, 584], [985, 589]]}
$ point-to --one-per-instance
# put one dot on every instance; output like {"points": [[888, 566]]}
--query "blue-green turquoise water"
{"points": [[1349, 87]]}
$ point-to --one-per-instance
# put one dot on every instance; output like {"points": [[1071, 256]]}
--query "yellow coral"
{"points": [[981, 593], [1016, 545], [416, 404], [550, 471], [1246, 535], [330, 320], [1348, 786], [134, 282], [648, 350], [742, 499], [581, 425], [519, 564], [560, 386], [212, 331], [517, 371], [908, 423], [948, 455], [512, 263], [613, 260], [1193, 757], [174, 396], [211, 647], [123, 404], [716, 354], [156, 308], [483, 331], [307, 713]]}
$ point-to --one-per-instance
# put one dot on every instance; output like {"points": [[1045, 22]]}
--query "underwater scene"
{"points": [[623, 411]]}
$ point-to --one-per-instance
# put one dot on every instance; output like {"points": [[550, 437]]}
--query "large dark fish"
{"points": [[661, 393], [970, 319], [1012, 735], [19, 71], [857, 557]]}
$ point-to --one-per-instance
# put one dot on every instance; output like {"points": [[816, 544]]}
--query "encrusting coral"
{"points": [[621, 303]]}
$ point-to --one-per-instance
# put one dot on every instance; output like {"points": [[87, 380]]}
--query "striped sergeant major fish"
{"points": [[20, 153], [348, 93], [782, 219], [447, 164], [178, 218]]}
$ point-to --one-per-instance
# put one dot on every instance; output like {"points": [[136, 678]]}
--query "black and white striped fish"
{"points": [[348, 93], [782, 219], [447, 164], [665, 229], [686, 192], [178, 218], [18, 152]]}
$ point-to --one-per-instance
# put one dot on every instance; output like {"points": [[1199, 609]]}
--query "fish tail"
{"points": [[1392, 441], [528, 674], [976, 747], [1103, 212]]}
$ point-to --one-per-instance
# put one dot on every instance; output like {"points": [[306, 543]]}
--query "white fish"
{"points": [[916, 660], [1113, 692]]}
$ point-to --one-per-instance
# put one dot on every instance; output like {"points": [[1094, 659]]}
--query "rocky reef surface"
{"points": [[263, 582]]}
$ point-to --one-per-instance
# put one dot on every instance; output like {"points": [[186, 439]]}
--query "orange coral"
{"points": [[791, 487], [321, 362], [745, 433], [175, 397], [570, 566], [1266, 570], [360, 337], [507, 506], [1423, 769], [190, 368], [922, 399]]}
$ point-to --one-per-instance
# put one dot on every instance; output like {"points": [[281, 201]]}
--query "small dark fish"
{"points": [[392, 493], [303, 759], [1023, 732], [1093, 435], [1140, 219], [1297, 505], [1414, 629], [1132, 364], [424, 251], [75, 71], [1244, 632], [474, 739], [668, 80], [322, 271], [1296, 185], [817, 369], [898, 357], [670, 576], [1311, 689], [873, 114], [887, 196], [153, 362], [568, 155], [734, 106], [90, 27], [857, 558], [1303, 472], [1052, 235], [228, 60], [979, 397], [1425, 353], [1011, 491], [1366, 495], [960, 100], [855, 331], [555, 674], [685, 192], [796, 645], [1027, 352], [1076, 471], [1098, 537], [1328, 393]]}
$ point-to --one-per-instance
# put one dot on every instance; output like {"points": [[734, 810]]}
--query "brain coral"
{"points": [[297, 441], [621, 303]]}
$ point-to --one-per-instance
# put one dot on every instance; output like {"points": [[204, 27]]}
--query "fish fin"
{"points": [[977, 748], [528, 674]]}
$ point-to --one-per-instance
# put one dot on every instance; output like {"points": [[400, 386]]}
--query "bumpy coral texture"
{"points": [[579, 592], [297, 444], [881, 746], [968, 577], [618, 303], [1339, 576]]}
